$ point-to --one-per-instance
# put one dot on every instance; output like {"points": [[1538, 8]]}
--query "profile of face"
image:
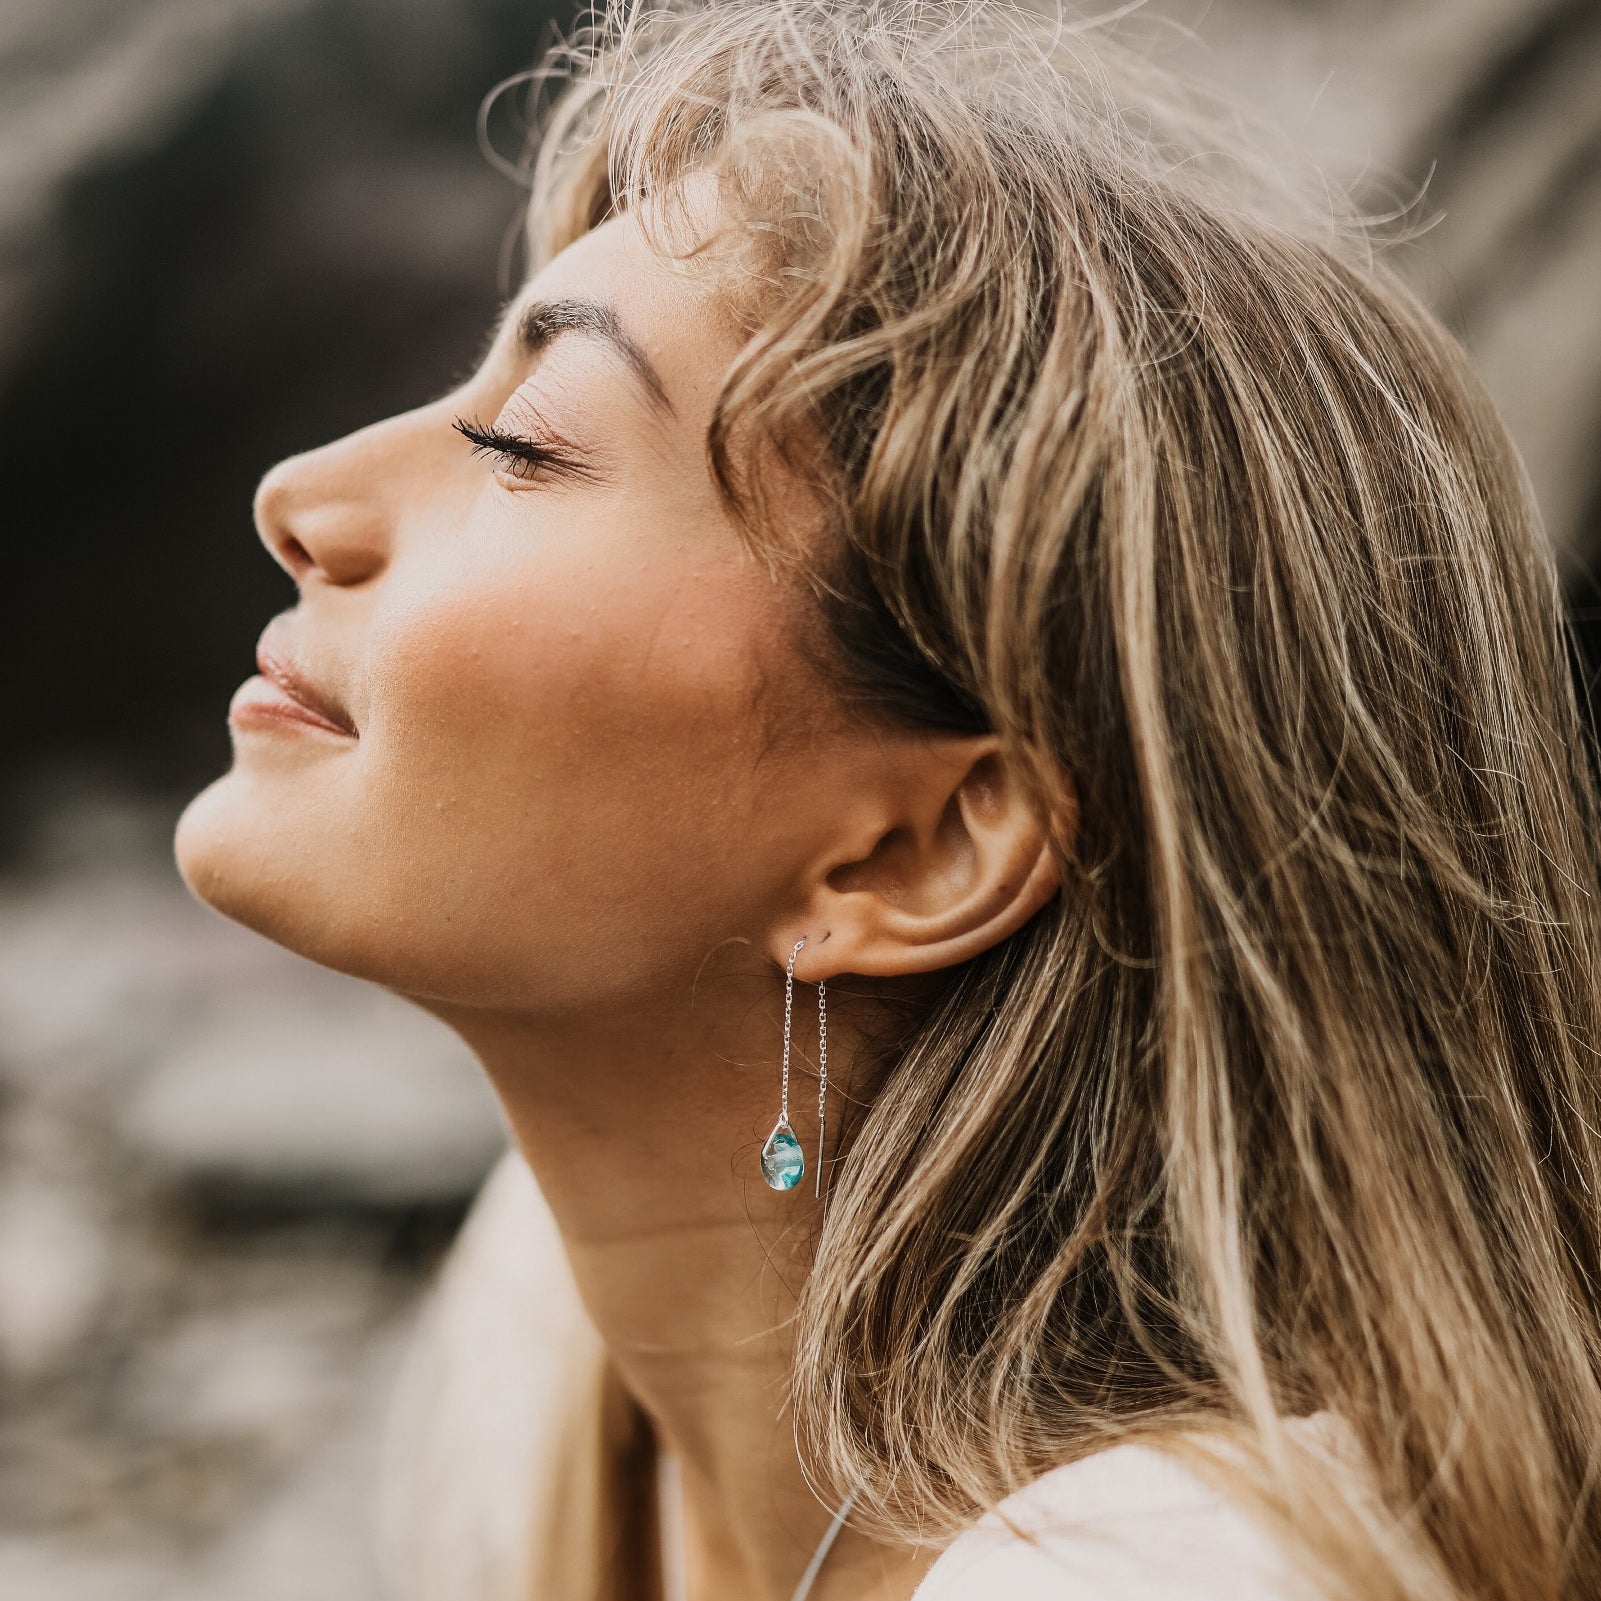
{"points": [[538, 736]]}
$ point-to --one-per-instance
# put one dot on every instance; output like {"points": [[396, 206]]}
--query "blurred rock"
{"points": [[55, 1273], [363, 1100], [267, 1368], [43, 1569], [96, 969], [312, 1538]]}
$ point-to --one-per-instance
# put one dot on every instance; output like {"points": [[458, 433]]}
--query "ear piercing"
{"points": [[782, 1161]]}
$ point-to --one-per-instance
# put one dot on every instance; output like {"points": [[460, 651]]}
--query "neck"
{"points": [[643, 1132]]}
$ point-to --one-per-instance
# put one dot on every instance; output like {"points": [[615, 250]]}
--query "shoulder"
{"points": [[1131, 1523]]}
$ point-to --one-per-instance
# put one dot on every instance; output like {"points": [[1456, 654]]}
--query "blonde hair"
{"points": [[1133, 453]]}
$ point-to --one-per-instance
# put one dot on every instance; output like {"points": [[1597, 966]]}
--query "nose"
{"points": [[324, 515]]}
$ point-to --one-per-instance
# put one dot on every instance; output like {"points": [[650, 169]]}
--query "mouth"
{"points": [[284, 693]]}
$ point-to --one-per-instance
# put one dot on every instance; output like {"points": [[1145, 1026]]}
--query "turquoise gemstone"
{"points": [[782, 1162]]}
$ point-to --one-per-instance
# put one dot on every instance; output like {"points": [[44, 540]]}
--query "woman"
{"points": [[947, 537]]}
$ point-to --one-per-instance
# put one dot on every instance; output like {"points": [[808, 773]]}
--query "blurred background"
{"points": [[230, 230]]}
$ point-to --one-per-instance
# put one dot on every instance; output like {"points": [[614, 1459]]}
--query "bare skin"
{"points": [[570, 786]]}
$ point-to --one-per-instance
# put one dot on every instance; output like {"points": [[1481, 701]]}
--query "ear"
{"points": [[957, 862]]}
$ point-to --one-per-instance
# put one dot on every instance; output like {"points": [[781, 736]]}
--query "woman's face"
{"points": [[563, 743]]}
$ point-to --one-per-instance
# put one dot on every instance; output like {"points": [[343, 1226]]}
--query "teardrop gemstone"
{"points": [[782, 1162]]}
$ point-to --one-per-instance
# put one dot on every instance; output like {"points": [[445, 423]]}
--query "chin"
{"points": [[297, 865], [260, 865]]}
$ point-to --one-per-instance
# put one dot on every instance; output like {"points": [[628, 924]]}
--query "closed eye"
{"points": [[515, 455]]}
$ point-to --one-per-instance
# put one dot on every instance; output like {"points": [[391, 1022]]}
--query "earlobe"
{"points": [[960, 861]]}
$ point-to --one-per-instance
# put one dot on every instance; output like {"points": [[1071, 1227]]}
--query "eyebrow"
{"points": [[543, 321]]}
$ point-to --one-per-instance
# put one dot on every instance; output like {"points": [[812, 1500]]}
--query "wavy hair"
{"points": [[1135, 452]]}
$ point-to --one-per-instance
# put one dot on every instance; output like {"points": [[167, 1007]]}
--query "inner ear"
{"points": [[883, 871], [983, 790], [921, 878]]}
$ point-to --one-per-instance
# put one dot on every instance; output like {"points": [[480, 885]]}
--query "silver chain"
{"points": [[822, 1076], [820, 1555], [789, 1001], [670, 1508]]}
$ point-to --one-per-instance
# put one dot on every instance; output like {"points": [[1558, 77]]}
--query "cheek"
{"points": [[562, 753]]}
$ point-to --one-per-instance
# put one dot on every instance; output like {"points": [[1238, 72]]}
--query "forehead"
{"points": [[676, 312]]}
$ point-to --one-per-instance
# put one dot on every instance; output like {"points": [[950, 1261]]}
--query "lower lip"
{"points": [[259, 703]]}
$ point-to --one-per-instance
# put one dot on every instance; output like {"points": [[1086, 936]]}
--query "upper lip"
{"points": [[277, 663]]}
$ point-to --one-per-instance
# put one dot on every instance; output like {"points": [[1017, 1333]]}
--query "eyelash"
{"points": [[521, 458]]}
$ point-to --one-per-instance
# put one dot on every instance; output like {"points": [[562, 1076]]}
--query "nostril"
{"points": [[318, 519]]}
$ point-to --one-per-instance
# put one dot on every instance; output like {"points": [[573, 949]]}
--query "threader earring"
{"points": [[782, 1162]]}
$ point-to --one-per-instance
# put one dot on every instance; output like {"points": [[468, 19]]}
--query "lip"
{"points": [[283, 693]]}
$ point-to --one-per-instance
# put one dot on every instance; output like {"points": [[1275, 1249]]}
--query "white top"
{"points": [[1130, 1523]]}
